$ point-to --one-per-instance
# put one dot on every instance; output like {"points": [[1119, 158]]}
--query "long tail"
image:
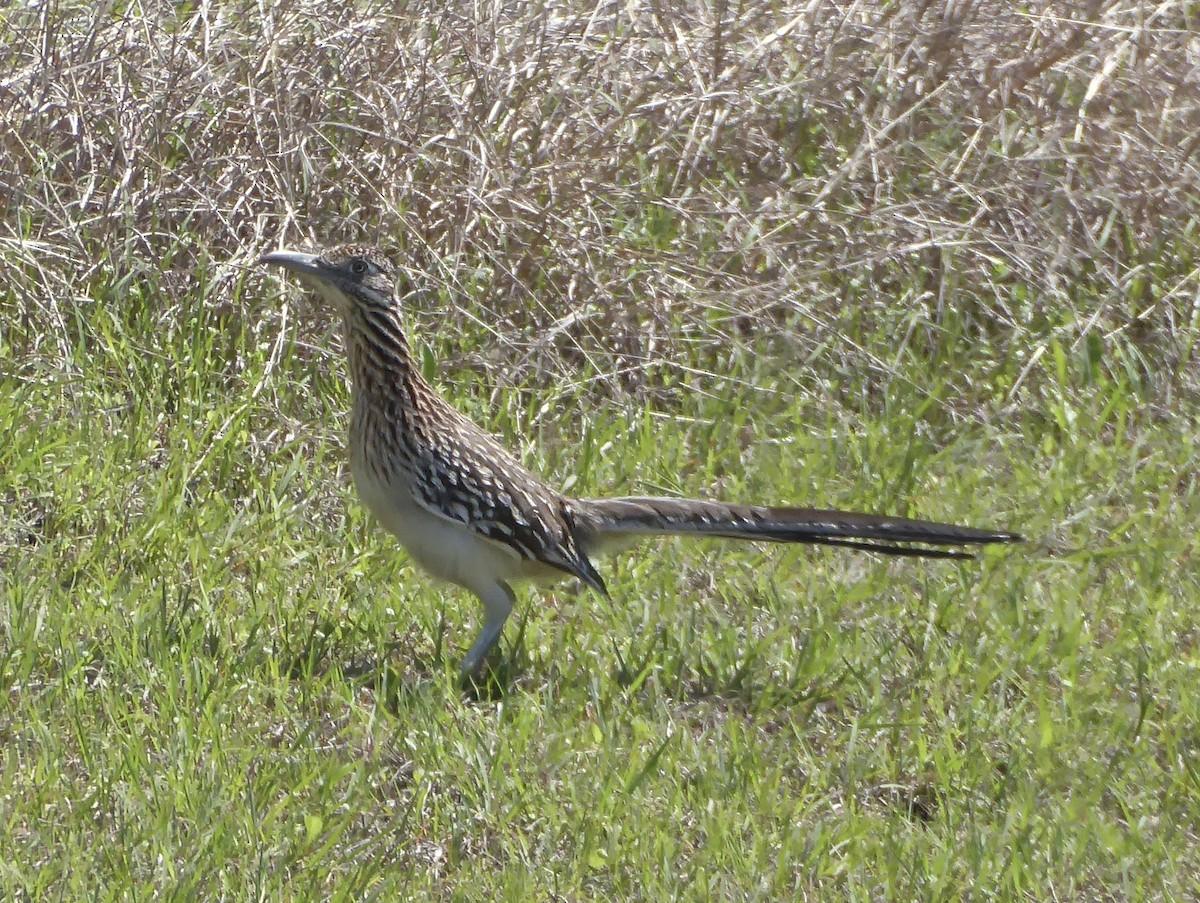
{"points": [[614, 522]]}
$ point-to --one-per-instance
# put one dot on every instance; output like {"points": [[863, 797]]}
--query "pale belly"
{"points": [[444, 547]]}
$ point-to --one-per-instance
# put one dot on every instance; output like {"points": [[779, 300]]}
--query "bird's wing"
{"points": [[475, 482]]}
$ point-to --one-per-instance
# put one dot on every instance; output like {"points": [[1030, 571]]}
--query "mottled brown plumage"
{"points": [[470, 513]]}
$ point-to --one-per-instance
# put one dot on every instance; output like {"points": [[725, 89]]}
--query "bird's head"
{"points": [[347, 277]]}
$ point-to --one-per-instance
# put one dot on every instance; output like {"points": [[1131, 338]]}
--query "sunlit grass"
{"points": [[819, 262]]}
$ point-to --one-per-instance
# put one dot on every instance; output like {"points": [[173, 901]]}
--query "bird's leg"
{"points": [[498, 600]]}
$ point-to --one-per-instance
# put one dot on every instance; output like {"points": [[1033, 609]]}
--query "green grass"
{"points": [[220, 680]]}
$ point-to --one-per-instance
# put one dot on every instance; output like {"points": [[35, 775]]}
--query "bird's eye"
{"points": [[358, 267]]}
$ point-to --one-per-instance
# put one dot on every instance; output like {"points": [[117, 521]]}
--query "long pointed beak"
{"points": [[296, 261]]}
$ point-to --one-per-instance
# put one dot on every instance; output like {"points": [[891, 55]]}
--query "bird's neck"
{"points": [[381, 363]]}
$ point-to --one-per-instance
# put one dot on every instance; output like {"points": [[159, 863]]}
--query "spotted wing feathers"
{"points": [[464, 474]]}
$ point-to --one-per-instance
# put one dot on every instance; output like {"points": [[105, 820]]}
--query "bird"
{"points": [[468, 512]]}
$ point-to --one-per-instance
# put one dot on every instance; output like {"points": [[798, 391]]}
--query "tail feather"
{"points": [[612, 521]]}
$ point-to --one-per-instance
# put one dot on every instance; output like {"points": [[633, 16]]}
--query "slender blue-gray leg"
{"points": [[498, 600]]}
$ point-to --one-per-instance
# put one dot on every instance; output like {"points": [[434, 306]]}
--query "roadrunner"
{"points": [[469, 513]]}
